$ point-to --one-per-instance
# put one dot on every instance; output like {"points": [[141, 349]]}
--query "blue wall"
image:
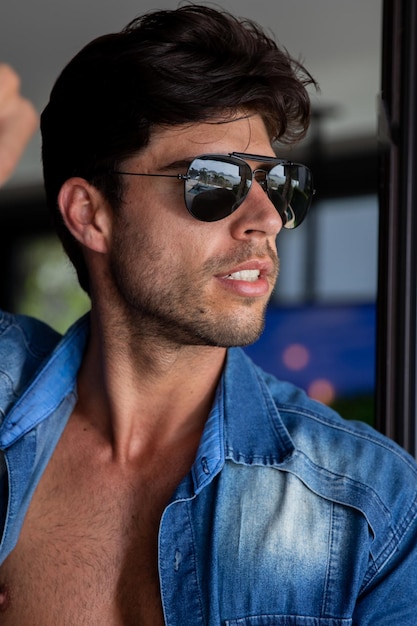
{"points": [[320, 345]]}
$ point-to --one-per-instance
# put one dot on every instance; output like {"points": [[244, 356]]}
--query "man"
{"points": [[151, 473]]}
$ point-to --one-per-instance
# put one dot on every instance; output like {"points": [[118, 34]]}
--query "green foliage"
{"points": [[46, 284], [356, 408]]}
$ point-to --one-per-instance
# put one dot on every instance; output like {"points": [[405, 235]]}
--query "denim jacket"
{"points": [[290, 516]]}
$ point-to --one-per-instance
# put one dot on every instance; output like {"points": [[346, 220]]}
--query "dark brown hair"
{"points": [[191, 64]]}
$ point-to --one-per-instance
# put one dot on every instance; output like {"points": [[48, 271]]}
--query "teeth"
{"points": [[248, 275]]}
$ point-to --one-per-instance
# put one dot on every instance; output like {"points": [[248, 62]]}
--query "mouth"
{"points": [[253, 279], [249, 276], [250, 270]]}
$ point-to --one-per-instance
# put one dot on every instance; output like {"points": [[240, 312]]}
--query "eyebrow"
{"points": [[175, 165]]}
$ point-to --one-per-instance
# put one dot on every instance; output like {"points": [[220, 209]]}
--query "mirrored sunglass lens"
{"points": [[215, 188], [290, 189]]}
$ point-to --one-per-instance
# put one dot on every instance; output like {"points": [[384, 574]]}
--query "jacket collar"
{"points": [[53, 382], [244, 425]]}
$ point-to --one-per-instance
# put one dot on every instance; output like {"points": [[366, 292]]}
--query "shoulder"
{"points": [[24, 344], [348, 462], [326, 436], [339, 446], [30, 330]]}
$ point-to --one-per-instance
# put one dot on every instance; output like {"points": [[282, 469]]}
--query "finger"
{"points": [[15, 131], [9, 88]]}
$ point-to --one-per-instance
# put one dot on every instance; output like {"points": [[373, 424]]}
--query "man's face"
{"points": [[192, 282]]}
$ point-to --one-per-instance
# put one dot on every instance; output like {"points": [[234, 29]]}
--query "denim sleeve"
{"points": [[391, 595]]}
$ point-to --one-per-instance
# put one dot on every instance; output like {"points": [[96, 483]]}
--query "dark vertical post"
{"points": [[397, 308]]}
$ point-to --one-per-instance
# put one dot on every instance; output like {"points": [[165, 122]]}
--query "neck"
{"points": [[145, 393]]}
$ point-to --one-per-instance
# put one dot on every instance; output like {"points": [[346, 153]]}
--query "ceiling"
{"points": [[338, 40]]}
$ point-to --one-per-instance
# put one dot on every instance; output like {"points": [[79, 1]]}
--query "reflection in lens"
{"points": [[212, 205], [290, 189], [214, 188], [290, 218]]}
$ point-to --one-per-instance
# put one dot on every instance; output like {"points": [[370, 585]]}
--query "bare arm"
{"points": [[18, 121]]}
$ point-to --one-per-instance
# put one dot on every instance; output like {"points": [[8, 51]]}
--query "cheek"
{"points": [[196, 243], [159, 229]]}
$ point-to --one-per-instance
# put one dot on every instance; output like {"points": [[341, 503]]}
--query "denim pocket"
{"points": [[286, 620]]}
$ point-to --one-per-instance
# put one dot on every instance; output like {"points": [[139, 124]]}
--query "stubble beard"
{"points": [[174, 310]]}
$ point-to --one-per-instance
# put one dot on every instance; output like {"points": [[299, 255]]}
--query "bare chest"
{"points": [[87, 553]]}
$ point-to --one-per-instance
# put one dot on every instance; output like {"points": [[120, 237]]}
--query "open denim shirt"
{"points": [[289, 515]]}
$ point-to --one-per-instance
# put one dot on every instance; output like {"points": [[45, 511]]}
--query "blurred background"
{"points": [[320, 330]]}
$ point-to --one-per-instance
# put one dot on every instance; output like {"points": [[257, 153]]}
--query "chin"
{"points": [[233, 336]]}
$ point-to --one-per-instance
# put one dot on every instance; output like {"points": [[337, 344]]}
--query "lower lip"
{"points": [[246, 289]]}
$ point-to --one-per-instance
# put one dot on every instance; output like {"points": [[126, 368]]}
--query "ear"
{"points": [[86, 214]]}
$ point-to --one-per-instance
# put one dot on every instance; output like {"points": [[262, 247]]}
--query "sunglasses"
{"points": [[217, 184]]}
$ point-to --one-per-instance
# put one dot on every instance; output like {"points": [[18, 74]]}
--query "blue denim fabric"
{"points": [[290, 516]]}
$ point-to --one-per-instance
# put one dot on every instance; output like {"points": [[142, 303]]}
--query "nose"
{"points": [[256, 217]]}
